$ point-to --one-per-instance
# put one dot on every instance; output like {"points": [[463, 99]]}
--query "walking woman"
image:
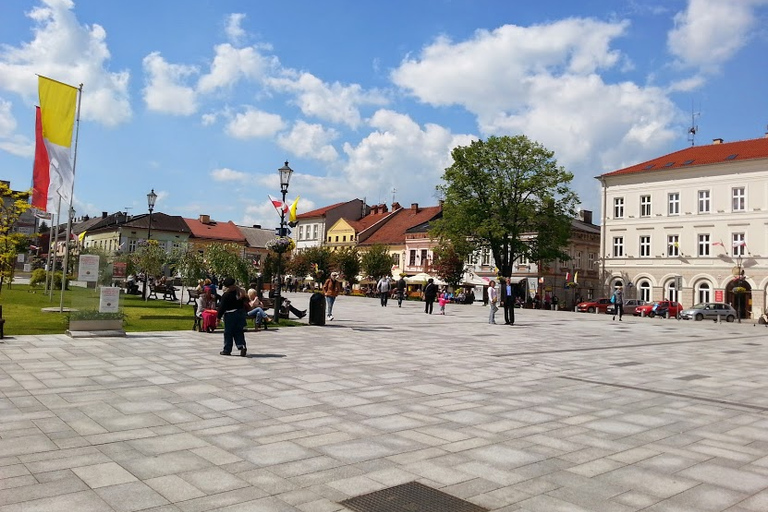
{"points": [[232, 307], [492, 298]]}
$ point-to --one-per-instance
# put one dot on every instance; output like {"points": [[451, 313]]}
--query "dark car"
{"points": [[590, 306]]}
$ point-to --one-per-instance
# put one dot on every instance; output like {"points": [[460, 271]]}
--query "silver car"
{"points": [[710, 311]]}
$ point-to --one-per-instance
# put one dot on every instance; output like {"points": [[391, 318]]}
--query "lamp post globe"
{"points": [[285, 179]]}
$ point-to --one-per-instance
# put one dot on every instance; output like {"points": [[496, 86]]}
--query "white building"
{"points": [[311, 226], [698, 214]]}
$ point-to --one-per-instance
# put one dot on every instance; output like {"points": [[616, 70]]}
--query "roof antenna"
{"points": [[394, 191], [694, 127]]}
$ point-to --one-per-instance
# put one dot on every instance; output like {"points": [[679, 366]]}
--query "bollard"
{"points": [[642, 313], [718, 318]]}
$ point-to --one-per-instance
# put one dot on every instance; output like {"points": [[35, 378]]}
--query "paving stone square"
{"points": [[562, 411]]}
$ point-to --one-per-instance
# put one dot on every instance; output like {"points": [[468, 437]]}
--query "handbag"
{"points": [[613, 299]]}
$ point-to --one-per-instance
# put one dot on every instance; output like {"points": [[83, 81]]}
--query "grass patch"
{"points": [[22, 306]]}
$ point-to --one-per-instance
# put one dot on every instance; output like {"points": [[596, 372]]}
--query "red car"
{"points": [[590, 306], [664, 308]]}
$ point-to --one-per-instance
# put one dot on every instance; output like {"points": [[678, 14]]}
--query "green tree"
{"points": [[447, 263], [226, 260], [498, 190], [189, 263], [347, 261], [377, 261], [149, 258], [105, 276], [299, 265], [320, 261], [12, 205]]}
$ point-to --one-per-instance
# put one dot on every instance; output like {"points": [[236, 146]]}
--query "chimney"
{"points": [[104, 215], [766, 135], [382, 208], [585, 216], [396, 205], [717, 141], [257, 226], [205, 219], [415, 207]]}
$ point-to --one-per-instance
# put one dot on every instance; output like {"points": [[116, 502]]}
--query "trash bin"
{"points": [[317, 309]]}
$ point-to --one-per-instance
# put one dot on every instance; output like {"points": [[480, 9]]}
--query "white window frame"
{"points": [[645, 206], [485, 257], [670, 292], [644, 287], [673, 246], [704, 245], [645, 246], [741, 249], [705, 201], [618, 207], [673, 203], [703, 292], [739, 199], [314, 231], [132, 246], [301, 232], [618, 246]]}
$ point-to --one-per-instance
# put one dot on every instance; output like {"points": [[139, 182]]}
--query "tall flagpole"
{"points": [[55, 246], [71, 200]]}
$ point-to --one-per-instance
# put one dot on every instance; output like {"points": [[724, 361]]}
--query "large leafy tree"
{"points": [[347, 260], [500, 189], [189, 263], [12, 205], [320, 261], [377, 261], [447, 263], [226, 260]]}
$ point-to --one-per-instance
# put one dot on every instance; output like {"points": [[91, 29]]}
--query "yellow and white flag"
{"points": [[294, 205], [58, 103]]}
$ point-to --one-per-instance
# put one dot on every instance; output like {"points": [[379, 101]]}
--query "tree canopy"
{"points": [[498, 190], [12, 205], [376, 262]]}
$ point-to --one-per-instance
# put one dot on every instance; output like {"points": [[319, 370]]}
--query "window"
{"points": [[578, 260], [591, 260], [618, 246], [703, 201], [396, 259], [645, 206], [344, 238], [739, 202], [412, 259], [329, 238], [132, 246], [673, 245], [337, 238], [424, 257], [645, 246], [618, 208], [703, 292], [674, 203], [739, 244], [645, 290], [704, 246], [485, 257], [671, 291], [314, 236], [301, 232]]}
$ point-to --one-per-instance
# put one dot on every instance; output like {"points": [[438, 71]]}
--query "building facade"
{"points": [[311, 226], [690, 226]]}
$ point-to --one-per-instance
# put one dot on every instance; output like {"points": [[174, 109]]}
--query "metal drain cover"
{"points": [[410, 497]]}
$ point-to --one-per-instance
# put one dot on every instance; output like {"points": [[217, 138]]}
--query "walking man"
{"points": [[331, 289], [618, 302], [492, 298], [430, 294], [383, 288], [508, 301], [400, 291]]}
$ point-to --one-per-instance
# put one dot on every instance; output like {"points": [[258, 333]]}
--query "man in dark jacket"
{"points": [[401, 286], [507, 294], [430, 294], [232, 308]]}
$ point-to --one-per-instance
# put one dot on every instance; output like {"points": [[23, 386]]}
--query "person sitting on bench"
{"points": [[256, 310]]}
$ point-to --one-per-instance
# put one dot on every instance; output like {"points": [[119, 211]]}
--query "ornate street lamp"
{"points": [[151, 198], [285, 178]]}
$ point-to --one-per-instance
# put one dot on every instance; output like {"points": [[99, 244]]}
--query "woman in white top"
{"points": [[492, 300]]}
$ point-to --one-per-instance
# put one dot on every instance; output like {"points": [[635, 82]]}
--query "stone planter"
{"points": [[80, 328]]}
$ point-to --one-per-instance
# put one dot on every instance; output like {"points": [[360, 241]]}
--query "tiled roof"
{"points": [[393, 232], [160, 222], [701, 155], [257, 237], [367, 221], [320, 211], [215, 230]]}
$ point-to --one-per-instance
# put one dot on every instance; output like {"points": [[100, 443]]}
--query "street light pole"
{"points": [[739, 282], [285, 178], [151, 198]]}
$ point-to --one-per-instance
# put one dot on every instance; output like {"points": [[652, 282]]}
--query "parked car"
{"points": [[710, 311], [629, 306], [659, 308], [590, 306]]}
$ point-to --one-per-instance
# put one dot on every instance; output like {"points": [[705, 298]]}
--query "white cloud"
{"points": [[230, 64], [234, 30], [165, 90], [254, 123], [70, 52], [9, 141], [311, 141], [225, 174], [398, 153], [7, 121], [709, 32], [334, 102]]}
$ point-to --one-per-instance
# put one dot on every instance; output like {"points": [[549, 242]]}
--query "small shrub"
{"points": [[37, 278]]}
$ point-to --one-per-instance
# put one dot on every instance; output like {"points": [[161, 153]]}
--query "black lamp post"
{"points": [[285, 179], [151, 198], [739, 283]]}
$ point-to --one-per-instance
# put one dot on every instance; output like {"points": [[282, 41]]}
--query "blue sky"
{"points": [[203, 101]]}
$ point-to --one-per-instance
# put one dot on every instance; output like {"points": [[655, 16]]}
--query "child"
{"points": [[442, 300]]}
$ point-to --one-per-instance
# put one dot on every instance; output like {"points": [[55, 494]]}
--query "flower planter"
{"points": [[98, 327]]}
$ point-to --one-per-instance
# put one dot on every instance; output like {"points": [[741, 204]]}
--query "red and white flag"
{"points": [[739, 243], [279, 205], [720, 243]]}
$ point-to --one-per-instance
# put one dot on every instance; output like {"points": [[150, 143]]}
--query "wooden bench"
{"points": [[2, 323], [169, 292]]}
